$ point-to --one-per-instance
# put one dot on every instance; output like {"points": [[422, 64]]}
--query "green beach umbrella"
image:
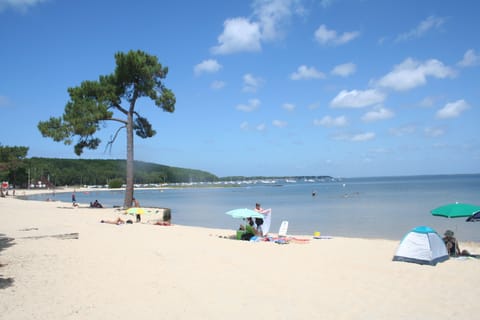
{"points": [[455, 210]]}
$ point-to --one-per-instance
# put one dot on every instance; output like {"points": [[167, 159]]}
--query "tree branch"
{"points": [[119, 108], [117, 120], [112, 139]]}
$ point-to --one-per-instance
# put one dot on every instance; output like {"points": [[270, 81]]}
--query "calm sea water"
{"points": [[362, 207]]}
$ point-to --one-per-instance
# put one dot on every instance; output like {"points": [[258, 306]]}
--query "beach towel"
{"points": [[267, 220]]}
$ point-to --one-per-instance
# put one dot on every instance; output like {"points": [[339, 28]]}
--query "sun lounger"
{"points": [[282, 232]]}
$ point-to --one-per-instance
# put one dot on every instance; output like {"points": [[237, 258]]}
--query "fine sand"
{"points": [[59, 262]]}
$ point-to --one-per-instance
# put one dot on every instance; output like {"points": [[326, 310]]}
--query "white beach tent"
{"points": [[422, 245]]}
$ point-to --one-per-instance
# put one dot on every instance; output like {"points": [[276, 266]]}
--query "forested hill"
{"points": [[99, 172]]}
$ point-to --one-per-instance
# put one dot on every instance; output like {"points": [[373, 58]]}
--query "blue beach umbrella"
{"points": [[244, 213]]}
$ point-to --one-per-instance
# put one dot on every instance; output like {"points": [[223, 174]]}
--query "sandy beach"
{"points": [[59, 262]]}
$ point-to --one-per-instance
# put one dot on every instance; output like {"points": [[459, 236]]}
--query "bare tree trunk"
{"points": [[129, 190]]}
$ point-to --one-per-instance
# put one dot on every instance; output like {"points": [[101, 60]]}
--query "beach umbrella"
{"points": [[244, 213], [455, 210], [474, 217], [135, 211]]}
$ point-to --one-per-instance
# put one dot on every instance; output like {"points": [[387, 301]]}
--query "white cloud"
{"points": [[427, 102], [19, 5], [261, 127], [434, 132], [452, 109], [363, 136], [411, 73], [470, 59], [344, 70], [329, 121], [403, 131], [252, 105], [304, 73], [360, 137], [423, 27], [357, 99], [326, 3], [207, 66], [217, 85], [378, 114], [279, 123], [239, 35], [266, 24], [273, 14], [251, 83], [288, 106], [244, 125], [325, 36]]}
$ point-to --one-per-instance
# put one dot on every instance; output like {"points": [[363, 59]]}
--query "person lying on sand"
{"points": [[159, 222], [117, 221], [162, 223]]}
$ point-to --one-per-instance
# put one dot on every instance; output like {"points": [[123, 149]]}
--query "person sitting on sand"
{"points": [[117, 221], [250, 231], [451, 243], [96, 204]]}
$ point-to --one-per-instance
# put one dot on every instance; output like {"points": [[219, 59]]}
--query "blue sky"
{"points": [[347, 88]]}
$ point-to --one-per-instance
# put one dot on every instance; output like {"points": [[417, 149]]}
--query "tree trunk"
{"points": [[129, 190]]}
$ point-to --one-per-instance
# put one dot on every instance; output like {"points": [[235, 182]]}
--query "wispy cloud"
{"points": [[207, 66], [279, 123], [411, 74], [4, 101], [326, 3], [288, 106], [19, 5], [251, 83], [329, 121], [470, 59], [344, 70], [325, 36], [305, 73], [273, 15], [379, 113], [245, 126], [452, 109], [357, 98], [261, 127], [403, 130], [217, 85], [359, 137], [252, 105], [434, 132], [423, 27]]}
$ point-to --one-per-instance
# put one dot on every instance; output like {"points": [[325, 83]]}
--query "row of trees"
{"points": [[52, 172], [12, 162]]}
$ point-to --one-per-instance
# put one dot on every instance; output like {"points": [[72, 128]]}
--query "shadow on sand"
{"points": [[5, 243]]}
